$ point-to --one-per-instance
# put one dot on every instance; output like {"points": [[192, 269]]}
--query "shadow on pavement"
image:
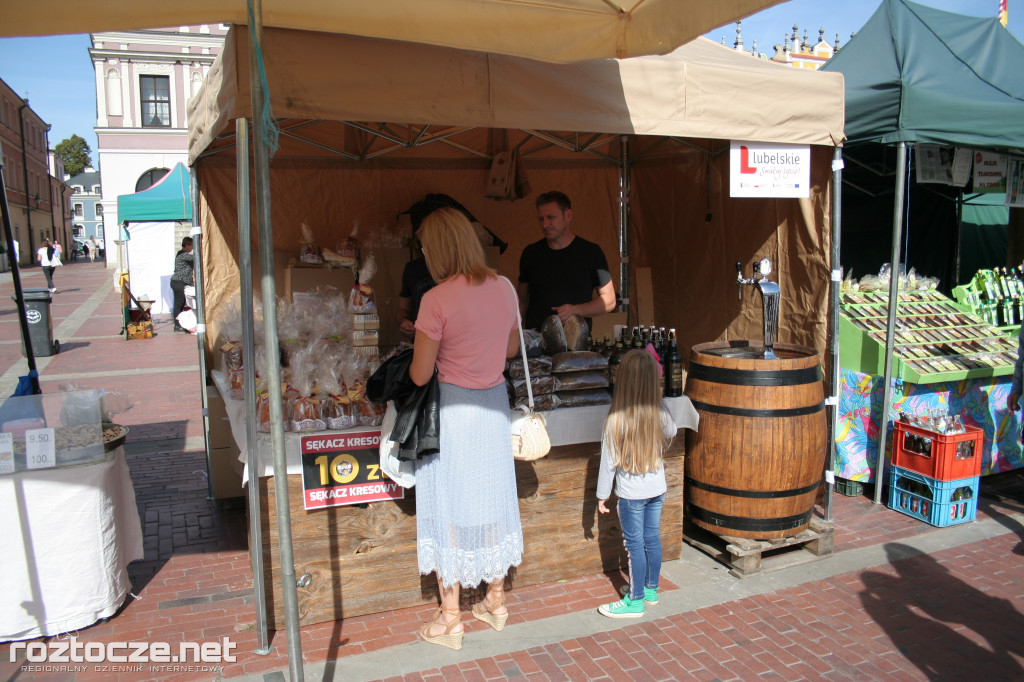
{"points": [[944, 626]]}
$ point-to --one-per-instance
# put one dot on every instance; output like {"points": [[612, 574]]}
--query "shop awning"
{"points": [[169, 199]]}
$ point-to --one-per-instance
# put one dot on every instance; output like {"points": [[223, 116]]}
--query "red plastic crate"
{"points": [[944, 457]]}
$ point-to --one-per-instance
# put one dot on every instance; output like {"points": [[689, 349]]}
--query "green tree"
{"points": [[74, 151]]}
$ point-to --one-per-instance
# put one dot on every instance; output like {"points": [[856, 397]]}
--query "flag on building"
{"points": [[1002, 12]]}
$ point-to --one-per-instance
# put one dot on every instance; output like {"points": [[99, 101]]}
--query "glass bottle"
{"points": [[673, 367]]}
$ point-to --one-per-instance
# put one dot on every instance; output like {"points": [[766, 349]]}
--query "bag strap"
{"points": [[522, 346]]}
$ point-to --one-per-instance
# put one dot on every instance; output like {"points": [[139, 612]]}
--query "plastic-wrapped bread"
{"points": [[539, 384], [578, 381], [576, 332], [539, 366], [578, 361], [553, 334], [594, 396], [543, 402]]}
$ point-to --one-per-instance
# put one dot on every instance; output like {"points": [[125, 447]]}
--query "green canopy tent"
{"points": [[148, 222], [917, 75]]}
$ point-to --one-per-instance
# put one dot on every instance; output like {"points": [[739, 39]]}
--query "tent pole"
{"points": [[19, 296], [624, 198], [249, 368], [261, 165], [890, 331], [197, 268], [833, 312], [959, 237]]}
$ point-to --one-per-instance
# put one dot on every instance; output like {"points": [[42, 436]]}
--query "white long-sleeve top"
{"points": [[633, 486]]}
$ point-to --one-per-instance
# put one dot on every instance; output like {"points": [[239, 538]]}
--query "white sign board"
{"points": [[761, 169], [989, 172]]}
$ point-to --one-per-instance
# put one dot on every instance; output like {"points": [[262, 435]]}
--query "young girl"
{"points": [[636, 433]]}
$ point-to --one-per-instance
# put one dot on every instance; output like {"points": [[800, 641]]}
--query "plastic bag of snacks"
{"points": [[335, 405], [356, 370], [309, 251], [305, 408]]}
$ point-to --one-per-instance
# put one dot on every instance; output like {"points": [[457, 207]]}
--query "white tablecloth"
{"points": [[565, 427], [68, 536]]}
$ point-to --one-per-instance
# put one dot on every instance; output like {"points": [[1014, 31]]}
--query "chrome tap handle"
{"points": [[739, 280]]}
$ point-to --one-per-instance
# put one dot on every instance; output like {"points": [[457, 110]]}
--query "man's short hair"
{"points": [[557, 197], [187, 241]]}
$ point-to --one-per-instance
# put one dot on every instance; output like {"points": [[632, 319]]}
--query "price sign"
{"points": [[39, 449], [6, 453], [344, 468]]}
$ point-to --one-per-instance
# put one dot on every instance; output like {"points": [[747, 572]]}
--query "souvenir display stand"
{"points": [[944, 359]]}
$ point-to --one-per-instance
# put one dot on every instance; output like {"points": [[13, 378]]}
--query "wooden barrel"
{"points": [[755, 462]]}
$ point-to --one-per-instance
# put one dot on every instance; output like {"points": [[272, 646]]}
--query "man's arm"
{"points": [[603, 303], [404, 316]]}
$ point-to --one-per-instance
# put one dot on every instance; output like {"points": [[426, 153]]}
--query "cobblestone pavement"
{"points": [[898, 600]]}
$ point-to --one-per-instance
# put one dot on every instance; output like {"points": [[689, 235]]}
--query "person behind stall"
{"points": [[184, 272], [45, 257], [560, 273], [416, 279], [637, 431], [467, 513]]}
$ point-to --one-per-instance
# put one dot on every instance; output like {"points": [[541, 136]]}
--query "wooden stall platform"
{"points": [[363, 560], [746, 557]]}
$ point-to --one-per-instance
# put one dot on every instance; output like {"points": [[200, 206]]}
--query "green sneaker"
{"points": [[650, 594], [624, 608]]}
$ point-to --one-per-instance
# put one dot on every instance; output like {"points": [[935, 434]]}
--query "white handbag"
{"points": [[402, 472], [529, 430]]}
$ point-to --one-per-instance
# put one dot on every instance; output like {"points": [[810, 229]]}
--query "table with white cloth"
{"points": [[363, 559], [69, 534]]}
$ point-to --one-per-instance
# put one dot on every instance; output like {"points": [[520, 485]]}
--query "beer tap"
{"points": [[770, 293]]}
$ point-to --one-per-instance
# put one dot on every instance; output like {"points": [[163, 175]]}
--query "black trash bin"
{"points": [[40, 324]]}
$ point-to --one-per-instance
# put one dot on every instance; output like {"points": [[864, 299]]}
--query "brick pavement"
{"points": [[899, 601]]}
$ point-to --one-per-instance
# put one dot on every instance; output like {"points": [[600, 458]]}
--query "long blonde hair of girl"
{"points": [[451, 247], [633, 425]]}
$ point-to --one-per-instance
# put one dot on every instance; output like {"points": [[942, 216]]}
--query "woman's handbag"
{"points": [[529, 430]]}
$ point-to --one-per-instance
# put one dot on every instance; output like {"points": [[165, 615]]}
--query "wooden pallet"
{"points": [[746, 557]]}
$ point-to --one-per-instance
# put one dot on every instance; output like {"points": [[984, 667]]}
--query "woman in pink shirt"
{"points": [[467, 512]]}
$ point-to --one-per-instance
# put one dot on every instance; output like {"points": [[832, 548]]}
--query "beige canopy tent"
{"points": [[369, 126], [553, 30]]}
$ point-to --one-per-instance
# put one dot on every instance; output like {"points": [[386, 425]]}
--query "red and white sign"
{"points": [[761, 169]]}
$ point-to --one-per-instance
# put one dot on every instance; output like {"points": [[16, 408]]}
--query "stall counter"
{"points": [[70, 533], [363, 559]]}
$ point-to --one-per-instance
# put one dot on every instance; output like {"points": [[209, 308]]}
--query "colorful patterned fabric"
{"points": [[980, 402]]}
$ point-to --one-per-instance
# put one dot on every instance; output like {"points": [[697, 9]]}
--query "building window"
{"points": [[77, 231], [150, 178], [99, 231], [95, 189], [99, 211], [156, 101], [76, 189], [79, 213]]}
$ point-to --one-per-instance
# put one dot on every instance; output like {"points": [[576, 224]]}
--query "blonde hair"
{"points": [[633, 426], [451, 247]]}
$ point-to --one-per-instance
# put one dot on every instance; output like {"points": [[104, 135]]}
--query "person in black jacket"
{"points": [[184, 275]]}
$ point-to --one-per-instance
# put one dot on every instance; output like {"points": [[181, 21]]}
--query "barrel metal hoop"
{"points": [[758, 494], [749, 412], [755, 377], [747, 524]]}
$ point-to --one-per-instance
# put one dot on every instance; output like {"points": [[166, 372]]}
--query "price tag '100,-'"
{"points": [[39, 449]]}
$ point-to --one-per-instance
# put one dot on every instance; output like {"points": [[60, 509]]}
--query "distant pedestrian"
{"points": [[94, 247], [85, 250], [637, 431], [184, 276], [45, 255]]}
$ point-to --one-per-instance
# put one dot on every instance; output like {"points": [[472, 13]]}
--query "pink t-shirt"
{"points": [[472, 323]]}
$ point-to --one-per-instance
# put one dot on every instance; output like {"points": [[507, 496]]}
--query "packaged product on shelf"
{"points": [[539, 366], [355, 370], [578, 361], [544, 402], [576, 332], [534, 343], [553, 334], [539, 384], [305, 408], [309, 251], [579, 381], [236, 382], [594, 396], [335, 406], [361, 299]]}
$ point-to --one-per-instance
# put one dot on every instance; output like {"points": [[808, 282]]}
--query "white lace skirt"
{"points": [[467, 513]]}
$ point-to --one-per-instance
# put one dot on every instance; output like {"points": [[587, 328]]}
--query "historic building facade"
{"points": [[143, 82]]}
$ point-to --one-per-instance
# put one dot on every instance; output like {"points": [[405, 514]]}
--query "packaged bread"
{"points": [[553, 334], [541, 403], [305, 407], [539, 384], [539, 366], [578, 361], [594, 396], [576, 332], [309, 251], [236, 383], [579, 381]]}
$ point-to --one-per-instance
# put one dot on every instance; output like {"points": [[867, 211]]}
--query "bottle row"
{"points": [[998, 296], [664, 344]]}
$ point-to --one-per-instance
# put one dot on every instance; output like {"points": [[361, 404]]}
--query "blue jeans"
{"points": [[641, 524]]}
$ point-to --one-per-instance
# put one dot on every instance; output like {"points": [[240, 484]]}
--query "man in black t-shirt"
{"points": [[562, 274]]}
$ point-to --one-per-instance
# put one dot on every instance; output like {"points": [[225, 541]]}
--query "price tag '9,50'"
{"points": [[39, 449]]}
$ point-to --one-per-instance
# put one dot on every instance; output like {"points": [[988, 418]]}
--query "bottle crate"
{"points": [[946, 457], [909, 493]]}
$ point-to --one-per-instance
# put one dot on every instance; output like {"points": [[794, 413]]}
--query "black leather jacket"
{"points": [[418, 426]]}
